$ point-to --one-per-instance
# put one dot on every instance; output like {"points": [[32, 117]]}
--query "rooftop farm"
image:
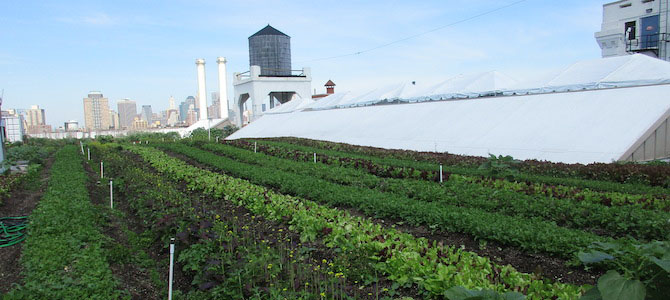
{"points": [[302, 219]]}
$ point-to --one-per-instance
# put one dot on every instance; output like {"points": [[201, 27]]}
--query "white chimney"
{"points": [[202, 92], [223, 88]]}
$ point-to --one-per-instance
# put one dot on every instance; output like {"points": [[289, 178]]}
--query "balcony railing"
{"points": [[648, 42], [281, 73]]}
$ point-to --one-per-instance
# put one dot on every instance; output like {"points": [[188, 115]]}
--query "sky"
{"points": [[53, 53]]}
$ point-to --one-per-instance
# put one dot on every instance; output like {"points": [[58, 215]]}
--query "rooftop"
{"points": [[268, 30]]}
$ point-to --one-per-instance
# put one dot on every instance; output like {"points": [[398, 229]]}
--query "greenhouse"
{"points": [[600, 110]]}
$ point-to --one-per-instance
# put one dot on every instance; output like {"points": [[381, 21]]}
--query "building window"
{"points": [[625, 5], [630, 28]]}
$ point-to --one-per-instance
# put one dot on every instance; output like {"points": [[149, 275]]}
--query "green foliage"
{"points": [[149, 136], [641, 271], [30, 153], [405, 259], [638, 174], [529, 234], [228, 130], [461, 293], [549, 173], [201, 134], [230, 256], [500, 167], [63, 257], [465, 192], [103, 139]]}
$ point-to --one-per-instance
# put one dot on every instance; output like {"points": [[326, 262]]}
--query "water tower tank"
{"points": [[270, 49]]}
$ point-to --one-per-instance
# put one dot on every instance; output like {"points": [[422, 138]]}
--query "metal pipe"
{"points": [[440, 173], [171, 268], [111, 194]]}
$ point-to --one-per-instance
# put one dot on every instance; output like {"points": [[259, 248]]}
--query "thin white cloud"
{"points": [[99, 19]]}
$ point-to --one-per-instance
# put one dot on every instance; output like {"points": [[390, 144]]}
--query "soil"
{"points": [[539, 264], [20, 203], [133, 278]]}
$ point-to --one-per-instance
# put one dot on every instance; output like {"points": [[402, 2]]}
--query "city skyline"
{"points": [[147, 52]]}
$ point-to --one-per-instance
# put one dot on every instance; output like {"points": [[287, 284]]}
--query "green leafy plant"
{"points": [[641, 271], [406, 260], [461, 293], [63, 255], [500, 166]]}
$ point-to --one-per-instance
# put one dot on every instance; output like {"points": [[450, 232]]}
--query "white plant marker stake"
{"points": [[82, 147], [89, 153], [440, 173], [111, 194], [102, 170], [171, 268], [254, 147], [314, 157]]}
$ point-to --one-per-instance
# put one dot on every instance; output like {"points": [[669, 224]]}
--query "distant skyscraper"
{"points": [[35, 116], [114, 120], [172, 105], [36, 120], [96, 112], [147, 115], [127, 112], [184, 106]]}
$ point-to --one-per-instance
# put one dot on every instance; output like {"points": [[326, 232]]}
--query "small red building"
{"points": [[330, 89]]}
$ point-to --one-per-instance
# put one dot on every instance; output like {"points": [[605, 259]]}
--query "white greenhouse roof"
{"points": [[618, 71], [461, 86], [592, 123], [296, 103]]}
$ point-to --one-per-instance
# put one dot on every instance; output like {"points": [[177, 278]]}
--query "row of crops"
{"points": [[559, 226], [408, 261], [299, 219]]}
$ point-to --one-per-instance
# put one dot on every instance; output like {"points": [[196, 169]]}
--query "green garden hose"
{"points": [[12, 230]]}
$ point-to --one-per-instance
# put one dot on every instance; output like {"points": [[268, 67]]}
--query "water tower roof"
{"points": [[268, 30]]}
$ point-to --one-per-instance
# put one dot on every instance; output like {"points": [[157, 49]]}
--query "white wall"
{"points": [[258, 88], [611, 38]]}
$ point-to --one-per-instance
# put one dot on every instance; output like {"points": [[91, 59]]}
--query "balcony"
{"points": [[647, 43]]}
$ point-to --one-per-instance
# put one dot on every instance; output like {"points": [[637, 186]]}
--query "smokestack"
{"points": [[223, 88], [202, 92]]}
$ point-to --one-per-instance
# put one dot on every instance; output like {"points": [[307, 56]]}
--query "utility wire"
{"points": [[419, 34]]}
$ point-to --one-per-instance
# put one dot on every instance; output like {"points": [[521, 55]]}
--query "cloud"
{"points": [[98, 19]]}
